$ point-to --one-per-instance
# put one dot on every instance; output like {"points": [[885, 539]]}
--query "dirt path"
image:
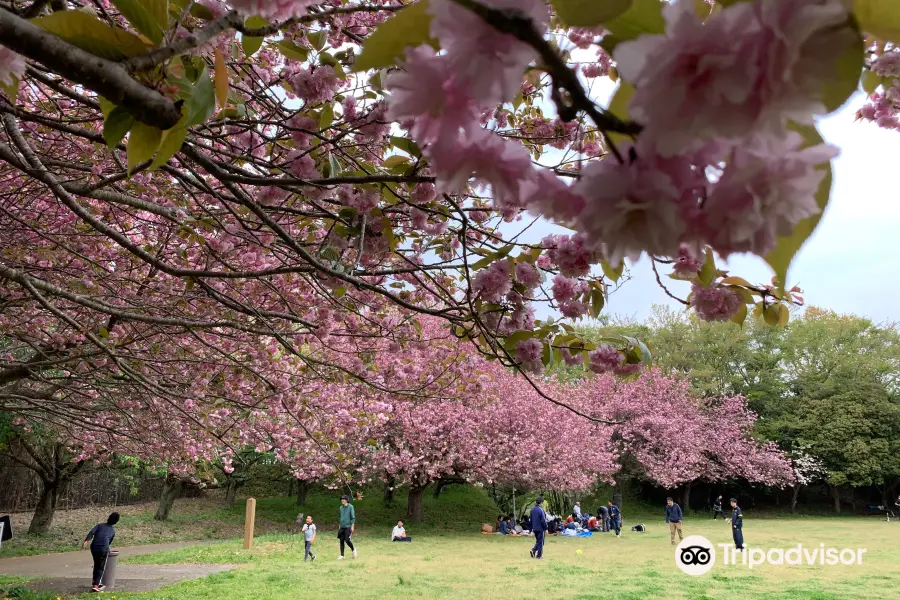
{"points": [[70, 572]]}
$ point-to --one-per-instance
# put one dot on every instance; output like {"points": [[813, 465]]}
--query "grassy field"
{"points": [[449, 559], [636, 566]]}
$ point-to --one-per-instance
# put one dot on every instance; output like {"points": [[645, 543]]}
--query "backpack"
{"points": [[639, 528]]}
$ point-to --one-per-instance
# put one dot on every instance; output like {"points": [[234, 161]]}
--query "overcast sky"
{"points": [[851, 264]]}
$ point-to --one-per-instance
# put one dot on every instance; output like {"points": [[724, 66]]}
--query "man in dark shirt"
{"points": [[101, 536], [538, 527], [717, 509], [737, 525], [673, 518], [604, 518], [615, 518]]}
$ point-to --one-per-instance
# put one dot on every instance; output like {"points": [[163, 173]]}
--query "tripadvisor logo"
{"points": [[696, 555]]}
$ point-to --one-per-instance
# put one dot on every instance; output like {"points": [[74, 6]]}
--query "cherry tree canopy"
{"points": [[178, 174]]}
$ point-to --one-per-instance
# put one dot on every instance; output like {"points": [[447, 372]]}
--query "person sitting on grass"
{"points": [[309, 536], [101, 536], [510, 525], [399, 533], [502, 527]]}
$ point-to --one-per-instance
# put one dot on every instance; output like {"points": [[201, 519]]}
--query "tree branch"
{"points": [[107, 78]]}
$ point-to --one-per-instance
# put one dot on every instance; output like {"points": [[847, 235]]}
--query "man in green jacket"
{"points": [[347, 525]]}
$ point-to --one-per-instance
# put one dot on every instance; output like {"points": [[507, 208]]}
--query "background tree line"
{"points": [[826, 386]]}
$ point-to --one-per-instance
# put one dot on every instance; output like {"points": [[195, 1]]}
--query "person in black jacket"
{"points": [[717, 509], [737, 525], [101, 536], [538, 527], [615, 518]]}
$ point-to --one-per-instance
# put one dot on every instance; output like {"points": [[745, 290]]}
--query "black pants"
{"points": [[538, 547], [308, 552], [616, 524], [404, 539], [99, 565], [717, 513], [738, 535], [344, 534]]}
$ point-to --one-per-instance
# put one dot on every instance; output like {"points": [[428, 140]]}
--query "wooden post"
{"points": [[249, 523]]}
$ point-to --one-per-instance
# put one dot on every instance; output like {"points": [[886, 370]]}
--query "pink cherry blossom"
{"points": [[429, 93], [528, 275], [315, 85], [272, 9], [633, 207], [715, 303], [12, 66], [490, 63], [768, 187], [563, 288], [686, 264], [604, 359], [494, 282], [528, 352]]}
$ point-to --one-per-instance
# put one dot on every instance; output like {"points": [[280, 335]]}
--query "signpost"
{"points": [[249, 523]]}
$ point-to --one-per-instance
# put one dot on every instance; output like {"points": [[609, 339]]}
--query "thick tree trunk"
{"points": [[617, 498], [170, 492], [794, 497], [686, 499], [836, 495], [291, 487], [303, 487], [46, 507], [414, 505], [230, 493]]}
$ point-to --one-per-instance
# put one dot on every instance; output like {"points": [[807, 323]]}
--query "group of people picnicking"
{"points": [[536, 522]]}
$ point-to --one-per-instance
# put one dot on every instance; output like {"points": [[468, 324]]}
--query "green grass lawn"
{"points": [[453, 565]]}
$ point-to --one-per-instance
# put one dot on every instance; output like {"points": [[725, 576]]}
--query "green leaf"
{"points": [[292, 51], [618, 106], [772, 314], [106, 106], [394, 161], [172, 141], [589, 13], [597, 301], [407, 145], [741, 315], [643, 16], [148, 17], [612, 273], [203, 101], [326, 117], [388, 43], [881, 18], [787, 246], [737, 281], [12, 89], [252, 44], [335, 168], [91, 34], [870, 81], [202, 12], [844, 79], [708, 271], [116, 125], [317, 39], [519, 336], [143, 142]]}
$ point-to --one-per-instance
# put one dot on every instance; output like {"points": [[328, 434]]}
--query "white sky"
{"points": [[851, 264]]}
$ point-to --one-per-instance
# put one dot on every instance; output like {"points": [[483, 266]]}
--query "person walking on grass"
{"points": [[309, 536], [347, 525], [100, 537], [615, 518], [717, 509], [538, 528], [673, 518], [737, 525]]}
